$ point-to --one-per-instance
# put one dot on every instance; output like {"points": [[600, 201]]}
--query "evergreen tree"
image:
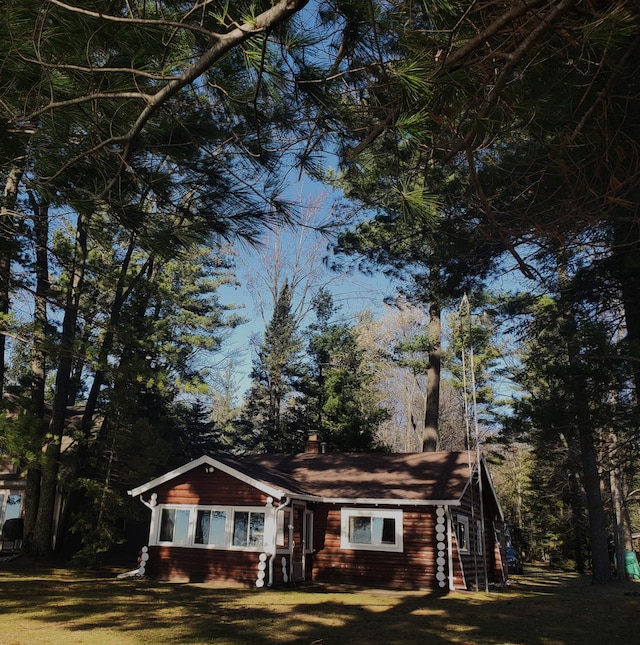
{"points": [[340, 403], [84, 135], [573, 408], [267, 420]]}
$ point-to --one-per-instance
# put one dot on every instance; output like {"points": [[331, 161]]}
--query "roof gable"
{"points": [[212, 462]]}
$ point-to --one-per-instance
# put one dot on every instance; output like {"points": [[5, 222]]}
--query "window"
{"points": [[174, 525], [479, 538], [282, 539], [308, 518], [373, 530], [248, 529], [13, 507], [462, 533], [211, 527]]}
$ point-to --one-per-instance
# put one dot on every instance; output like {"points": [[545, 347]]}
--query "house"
{"points": [[406, 521], [13, 485]]}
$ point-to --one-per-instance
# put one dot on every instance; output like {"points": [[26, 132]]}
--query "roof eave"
{"points": [[492, 486], [375, 501]]}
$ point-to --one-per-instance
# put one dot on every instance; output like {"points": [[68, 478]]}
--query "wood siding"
{"points": [[478, 569], [181, 564], [203, 488], [414, 568], [199, 487]]}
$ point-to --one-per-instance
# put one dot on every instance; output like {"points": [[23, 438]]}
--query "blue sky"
{"points": [[296, 254]]}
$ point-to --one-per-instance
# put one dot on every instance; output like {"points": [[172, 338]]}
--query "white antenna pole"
{"points": [[478, 464], [465, 309]]}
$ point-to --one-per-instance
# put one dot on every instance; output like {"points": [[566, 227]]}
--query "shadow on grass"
{"points": [[541, 608]]}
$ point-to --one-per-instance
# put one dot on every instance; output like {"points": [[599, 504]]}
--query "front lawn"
{"points": [[63, 606]]}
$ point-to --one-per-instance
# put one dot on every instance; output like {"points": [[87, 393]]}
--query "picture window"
{"points": [[208, 527], [374, 530]]}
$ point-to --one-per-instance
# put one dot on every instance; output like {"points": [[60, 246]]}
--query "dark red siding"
{"points": [[180, 564], [479, 568], [414, 568], [201, 487]]}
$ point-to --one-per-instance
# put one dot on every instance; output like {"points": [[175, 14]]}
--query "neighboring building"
{"points": [[13, 481], [409, 521], [12, 488], [11, 492]]}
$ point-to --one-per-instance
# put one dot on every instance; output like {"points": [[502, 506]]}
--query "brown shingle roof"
{"points": [[420, 477]]}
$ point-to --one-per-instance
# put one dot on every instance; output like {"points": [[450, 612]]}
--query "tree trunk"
{"points": [[119, 299], [576, 500], [38, 359], [626, 254], [430, 436], [7, 252], [45, 521], [601, 568], [622, 531]]}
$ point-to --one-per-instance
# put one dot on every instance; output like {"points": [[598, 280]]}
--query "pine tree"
{"points": [[340, 403], [277, 369]]}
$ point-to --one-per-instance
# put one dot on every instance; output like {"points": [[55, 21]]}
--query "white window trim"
{"points": [[236, 547], [283, 529], [347, 513], [193, 516], [308, 520], [464, 520]]}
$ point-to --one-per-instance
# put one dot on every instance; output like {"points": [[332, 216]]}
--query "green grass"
{"points": [[62, 606]]}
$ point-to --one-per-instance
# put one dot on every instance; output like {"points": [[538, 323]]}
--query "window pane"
{"points": [[376, 530], [202, 527], [174, 525], [167, 523], [388, 531], [210, 527], [240, 528], [256, 529], [462, 535], [13, 507], [181, 530], [218, 528], [360, 530], [283, 529]]}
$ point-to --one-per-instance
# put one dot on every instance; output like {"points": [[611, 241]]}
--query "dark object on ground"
{"points": [[514, 564], [11, 539]]}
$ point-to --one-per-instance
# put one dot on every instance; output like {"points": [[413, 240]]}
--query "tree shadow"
{"points": [[538, 611]]}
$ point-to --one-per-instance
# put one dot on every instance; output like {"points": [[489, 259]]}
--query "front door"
{"points": [[298, 543]]}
